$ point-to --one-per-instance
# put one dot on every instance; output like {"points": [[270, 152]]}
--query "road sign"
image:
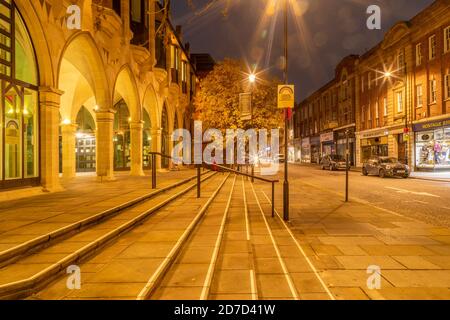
{"points": [[245, 104], [286, 96]]}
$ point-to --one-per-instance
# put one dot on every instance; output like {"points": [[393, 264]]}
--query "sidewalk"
{"points": [[420, 175], [343, 240], [25, 219]]}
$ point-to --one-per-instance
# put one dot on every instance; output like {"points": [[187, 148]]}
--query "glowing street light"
{"points": [[252, 78]]}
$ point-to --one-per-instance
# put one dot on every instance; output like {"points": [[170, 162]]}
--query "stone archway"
{"points": [[153, 108], [125, 89], [48, 96]]}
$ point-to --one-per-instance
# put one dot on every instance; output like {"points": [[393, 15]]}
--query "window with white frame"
{"points": [[433, 91], [385, 107], [432, 47], [377, 110], [419, 92], [419, 55], [401, 61], [447, 39], [399, 101], [363, 115]]}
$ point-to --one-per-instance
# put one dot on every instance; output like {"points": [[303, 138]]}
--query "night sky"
{"points": [[322, 32]]}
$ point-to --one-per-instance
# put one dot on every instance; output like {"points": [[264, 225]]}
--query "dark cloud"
{"points": [[328, 31]]}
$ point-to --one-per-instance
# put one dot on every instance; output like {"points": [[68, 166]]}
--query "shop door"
{"points": [[401, 149]]}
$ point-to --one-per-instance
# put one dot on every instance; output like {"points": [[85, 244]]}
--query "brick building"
{"points": [[395, 98]]}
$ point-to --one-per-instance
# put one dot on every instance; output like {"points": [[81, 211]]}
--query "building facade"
{"points": [[401, 95], [324, 119], [98, 98]]}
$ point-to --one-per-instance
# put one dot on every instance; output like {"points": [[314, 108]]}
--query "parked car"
{"points": [[333, 162], [385, 167]]}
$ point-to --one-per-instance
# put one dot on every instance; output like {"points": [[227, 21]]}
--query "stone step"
{"points": [[28, 273], [127, 266], [49, 238]]}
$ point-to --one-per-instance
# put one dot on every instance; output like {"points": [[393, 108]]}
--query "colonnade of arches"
{"points": [[102, 132], [75, 112]]}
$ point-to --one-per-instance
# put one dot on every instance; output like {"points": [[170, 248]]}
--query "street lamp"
{"points": [[252, 78], [286, 119], [390, 75]]}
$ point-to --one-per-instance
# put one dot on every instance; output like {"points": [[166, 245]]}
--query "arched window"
{"points": [[122, 137], [19, 101], [85, 142]]}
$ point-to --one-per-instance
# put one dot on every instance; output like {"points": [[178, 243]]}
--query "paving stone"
{"points": [[273, 286], [418, 278], [232, 282], [416, 263], [363, 262]]}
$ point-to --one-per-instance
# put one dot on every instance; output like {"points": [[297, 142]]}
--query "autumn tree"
{"points": [[217, 102]]}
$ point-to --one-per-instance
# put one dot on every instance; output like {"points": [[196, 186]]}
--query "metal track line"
{"points": [[311, 265], [254, 286], [277, 250], [209, 276]]}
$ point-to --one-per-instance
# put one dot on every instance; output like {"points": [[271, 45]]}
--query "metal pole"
{"points": [[347, 162], [253, 173], [405, 80], [153, 171], [198, 181], [286, 182], [273, 199]]}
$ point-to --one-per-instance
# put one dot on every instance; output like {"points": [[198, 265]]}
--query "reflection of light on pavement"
{"points": [[412, 192]]}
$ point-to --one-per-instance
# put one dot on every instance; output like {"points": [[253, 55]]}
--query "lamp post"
{"points": [[404, 80], [286, 120]]}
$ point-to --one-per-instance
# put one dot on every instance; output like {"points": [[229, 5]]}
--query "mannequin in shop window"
{"points": [[437, 152]]}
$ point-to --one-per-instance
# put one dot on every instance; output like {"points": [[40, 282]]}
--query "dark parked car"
{"points": [[385, 167], [333, 162]]}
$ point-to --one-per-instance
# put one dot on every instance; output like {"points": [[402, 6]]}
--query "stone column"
{"points": [[136, 148], [105, 145], [49, 104], [156, 145], [68, 150]]}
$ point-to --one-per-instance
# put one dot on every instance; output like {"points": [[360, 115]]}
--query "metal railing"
{"points": [[251, 176], [216, 167]]}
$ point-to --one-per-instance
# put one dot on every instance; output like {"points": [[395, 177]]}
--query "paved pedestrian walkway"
{"points": [[344, 240], [25, 219]]}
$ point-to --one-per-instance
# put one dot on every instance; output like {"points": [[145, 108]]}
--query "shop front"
{"points": [[298, 150], [306, 150], [341, 143], [432, 145], [315, 149], [327, 143], [374, 144]]}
